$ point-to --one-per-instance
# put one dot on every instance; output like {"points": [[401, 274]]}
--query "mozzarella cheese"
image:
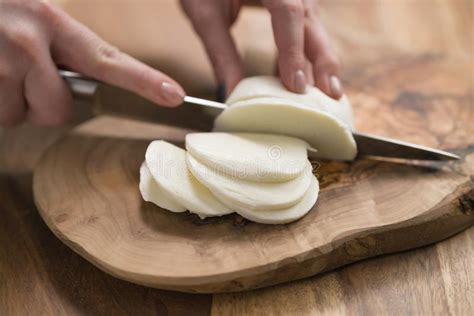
{"points": [[239, 193], [151, 192], [330, 137], [252, 157], [167, 165], [271, 87], [285, 215], [260, 169]]}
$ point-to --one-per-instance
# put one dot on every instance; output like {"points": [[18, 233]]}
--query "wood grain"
{"points": [[409, 283], [41, 276], [367, 33], [86, 187]]}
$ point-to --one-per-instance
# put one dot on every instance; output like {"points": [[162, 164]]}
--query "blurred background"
{"points": [[363, 31]]}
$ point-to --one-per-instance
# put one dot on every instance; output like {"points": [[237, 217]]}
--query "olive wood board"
{"points": [[86, 188]]}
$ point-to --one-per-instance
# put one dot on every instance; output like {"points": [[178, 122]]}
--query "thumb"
{"points": [[80, 49]]}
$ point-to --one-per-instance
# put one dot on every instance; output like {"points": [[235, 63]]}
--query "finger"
{"points": [[222, 51], [288, 28], [321, 54], [78, 48], [276, 69], [13, 66], [49, 100], [308, 71], [12, 103]]}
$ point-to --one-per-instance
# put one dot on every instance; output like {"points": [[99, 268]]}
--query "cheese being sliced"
{"points": [[329, 136], [269, 86], [239, 193], [255, 163], [251, 157], [167, 165], [151, 192], [285, 215]]}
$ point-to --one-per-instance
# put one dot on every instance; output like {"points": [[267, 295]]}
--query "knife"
{"points": [[111, 100]]}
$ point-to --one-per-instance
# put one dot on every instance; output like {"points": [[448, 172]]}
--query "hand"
{"points": [[305, 55], [35, 37]]}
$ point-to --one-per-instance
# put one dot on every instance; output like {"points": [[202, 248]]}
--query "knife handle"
{"points": [[110, 100], [81, 86]]}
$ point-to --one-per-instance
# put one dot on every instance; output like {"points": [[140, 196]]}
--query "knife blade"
{"points": [[378, 146], [112, 100]]}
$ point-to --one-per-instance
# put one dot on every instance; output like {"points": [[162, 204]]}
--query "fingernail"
{"points": [[221, 93], [172, 94], [336, 86], [299, 82]]}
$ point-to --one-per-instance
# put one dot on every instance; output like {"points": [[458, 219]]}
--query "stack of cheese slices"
{"points": [[255, 163]]}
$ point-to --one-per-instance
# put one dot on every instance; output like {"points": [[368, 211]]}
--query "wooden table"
{"points": [[39, 275]]}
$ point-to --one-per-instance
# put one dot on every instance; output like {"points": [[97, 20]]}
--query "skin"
{"points": [[301, 39], [36, 37]]}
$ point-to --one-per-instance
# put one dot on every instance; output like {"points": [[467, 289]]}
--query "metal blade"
{"points": [[370, 145], [199, 114], [205, 102]]}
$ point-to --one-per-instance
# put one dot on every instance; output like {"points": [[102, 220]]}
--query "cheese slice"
{"points": [[269, 86], [239, 193], [285, 215], [329, 136], [252, 157], [167, 165], [152, 193]]}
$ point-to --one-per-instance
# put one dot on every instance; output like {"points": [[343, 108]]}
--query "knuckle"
{"points": [[23, 32], [106, 55], [311, 10], [43, 10], [292, 57], [293, 54], [25, 40], [197, 10], [292, 7], [205, 18], [329, 63], [9, 72]]}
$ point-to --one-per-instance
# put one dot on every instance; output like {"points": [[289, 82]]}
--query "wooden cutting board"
{"points": [[86, 188]]}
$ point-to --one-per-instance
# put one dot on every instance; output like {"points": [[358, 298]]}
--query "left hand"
{"points": [[305, 55]]}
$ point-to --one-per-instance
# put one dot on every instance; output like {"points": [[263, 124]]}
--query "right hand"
{"points": [[305, 54], [35, 37]]}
